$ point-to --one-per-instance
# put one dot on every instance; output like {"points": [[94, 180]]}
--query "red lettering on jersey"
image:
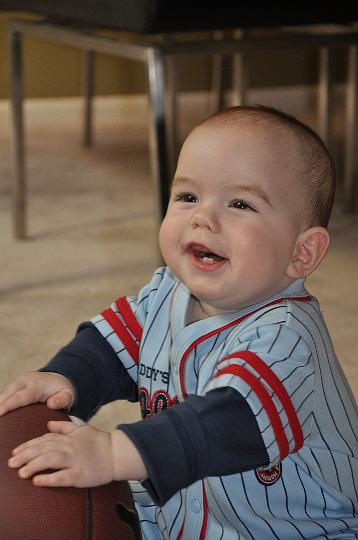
{"points": [[160, 401]]}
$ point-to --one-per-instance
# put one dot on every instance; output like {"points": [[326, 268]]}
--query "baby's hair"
{"points": [[315, 165]]}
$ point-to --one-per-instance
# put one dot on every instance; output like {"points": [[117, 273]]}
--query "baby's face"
{"points": [[233, 216]]}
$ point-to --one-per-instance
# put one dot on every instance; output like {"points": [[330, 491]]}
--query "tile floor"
{"points": [[92, 233]]}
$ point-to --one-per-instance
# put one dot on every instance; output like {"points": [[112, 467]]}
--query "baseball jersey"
{"points": [[279, 357]]}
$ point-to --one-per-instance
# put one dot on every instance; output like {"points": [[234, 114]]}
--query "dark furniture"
{"points": [[147, 31], [163, 16]]}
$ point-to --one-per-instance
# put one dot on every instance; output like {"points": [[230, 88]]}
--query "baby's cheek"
{"points": [[167, 236]]}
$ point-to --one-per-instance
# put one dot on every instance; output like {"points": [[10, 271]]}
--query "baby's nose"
{"points": [[205, 218]]}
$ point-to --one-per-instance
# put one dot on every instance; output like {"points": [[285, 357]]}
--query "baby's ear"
{"points": [[310, 249]]}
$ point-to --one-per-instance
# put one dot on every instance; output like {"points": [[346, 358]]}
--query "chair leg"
{"points": [[351, 139], [88, 90], [16, 95], [240, 74], [325, 94], [217, 75], [158, 140], [172, 113]]}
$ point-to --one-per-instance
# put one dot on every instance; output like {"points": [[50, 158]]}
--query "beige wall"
{"points": [[56, 70]]}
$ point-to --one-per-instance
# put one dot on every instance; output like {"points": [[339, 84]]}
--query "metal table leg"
{"points": [[16, 91], [158, 141], [88, 86], [217, 75], [172, 113], [240, 73], [351, 140], [325, 95]]}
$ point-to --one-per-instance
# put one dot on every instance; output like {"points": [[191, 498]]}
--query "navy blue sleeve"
{"points": [[212, 435], [93, 368]]}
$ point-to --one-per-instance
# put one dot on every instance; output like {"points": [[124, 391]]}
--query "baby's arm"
{"points": [[84, 375], [81, 456], [205, 436], [95, 371], [212, 435]]}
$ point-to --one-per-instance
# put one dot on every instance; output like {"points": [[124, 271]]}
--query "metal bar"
{"points": [[240, 73], [135, 47], [351, 139], [16, 96], [171, 112], [276, 41], [81, 39], [158, 141], [217, 75], [88, 86], [325, 94]]}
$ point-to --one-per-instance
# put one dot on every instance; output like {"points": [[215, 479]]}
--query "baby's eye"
{"points": [[186, 197], [241, 205]]}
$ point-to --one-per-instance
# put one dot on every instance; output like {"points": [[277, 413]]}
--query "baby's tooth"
{"points": [[208, 260]]}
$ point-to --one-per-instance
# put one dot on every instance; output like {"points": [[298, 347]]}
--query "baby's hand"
{"points": [[80, 456], [52, 388]]}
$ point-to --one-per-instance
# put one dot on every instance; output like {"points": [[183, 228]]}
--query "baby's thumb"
{"points": [[61, 400]]}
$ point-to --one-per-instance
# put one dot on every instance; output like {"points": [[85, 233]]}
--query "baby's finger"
{"points": [[16, 400], [25, 455], [9, 390], [48, 438], [61, 427], [63, 478], [53, 459], [61, 400]]}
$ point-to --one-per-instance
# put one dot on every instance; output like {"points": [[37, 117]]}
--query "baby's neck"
{"points": [[195, 311]]}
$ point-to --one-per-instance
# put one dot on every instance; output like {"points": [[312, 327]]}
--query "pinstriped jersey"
{"points": [[279, 357]]}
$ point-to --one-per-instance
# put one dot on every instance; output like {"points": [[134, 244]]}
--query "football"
{"points": [[28, 512]]}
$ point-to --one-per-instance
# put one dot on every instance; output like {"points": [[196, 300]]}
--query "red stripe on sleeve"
{"points": [[278, 388], [129, 318], [266, 400], [123, 334]]}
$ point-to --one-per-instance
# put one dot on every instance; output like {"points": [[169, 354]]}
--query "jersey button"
{"points": [[195, 506]]}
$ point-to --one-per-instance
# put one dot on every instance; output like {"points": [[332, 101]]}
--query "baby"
{"points": [[249, 428]]}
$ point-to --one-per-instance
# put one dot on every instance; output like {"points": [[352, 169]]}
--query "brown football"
{"points": [[28, 512]]}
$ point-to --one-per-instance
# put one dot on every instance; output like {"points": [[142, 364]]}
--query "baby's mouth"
{"points": [[204, 256]]}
